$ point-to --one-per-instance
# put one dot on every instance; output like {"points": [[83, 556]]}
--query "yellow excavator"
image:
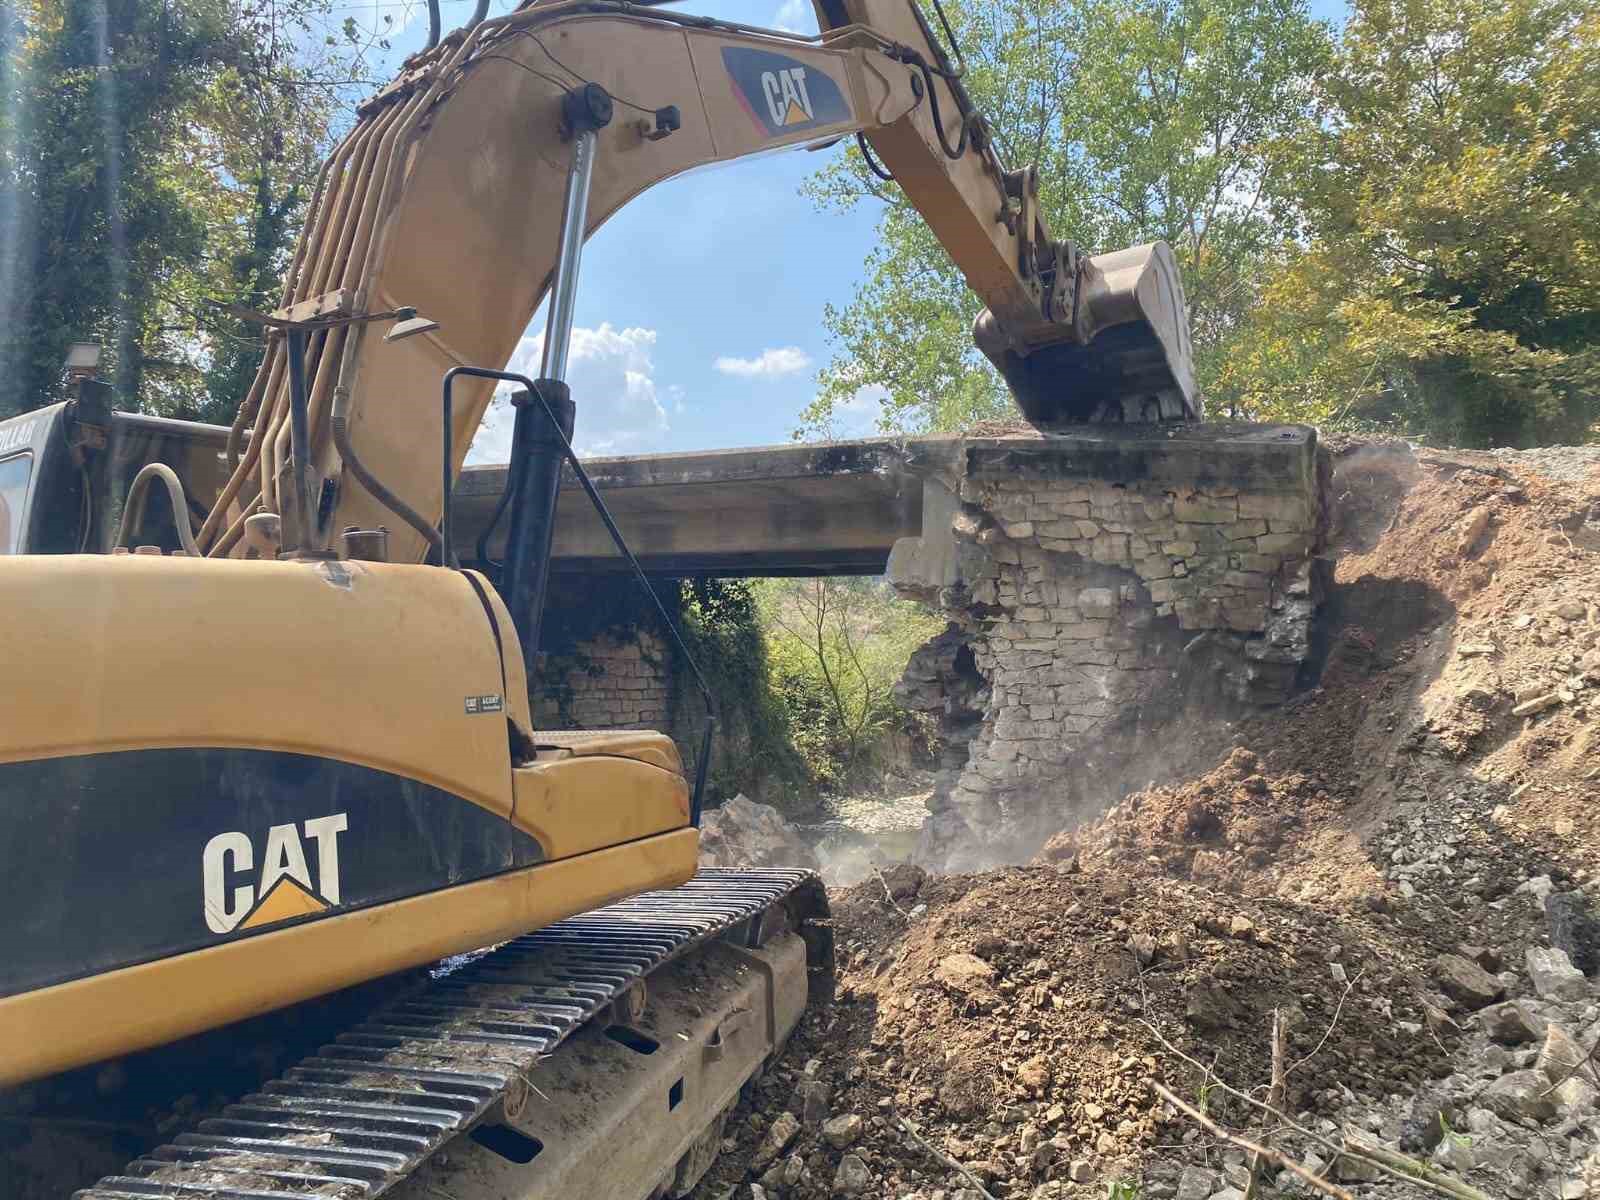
{"points": [[291, 751]]}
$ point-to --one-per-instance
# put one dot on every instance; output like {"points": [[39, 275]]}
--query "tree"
{"points": [[1147, 119], [154, 155], [836, 647], [1446, 275]]}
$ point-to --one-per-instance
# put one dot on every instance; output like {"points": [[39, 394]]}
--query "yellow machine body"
{"points": [[232, 785]]}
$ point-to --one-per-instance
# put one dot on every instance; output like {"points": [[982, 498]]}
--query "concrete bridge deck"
{"points": [[839, 508], [822, 509]]}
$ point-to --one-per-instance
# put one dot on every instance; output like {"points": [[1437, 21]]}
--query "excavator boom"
{"points": [[448, 197]]}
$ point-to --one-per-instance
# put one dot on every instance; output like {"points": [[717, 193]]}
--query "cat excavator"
{"points": [[290, 751]]}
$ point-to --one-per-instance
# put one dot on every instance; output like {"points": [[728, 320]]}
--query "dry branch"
{"points": [[911, 1131], [1244, 1143]]}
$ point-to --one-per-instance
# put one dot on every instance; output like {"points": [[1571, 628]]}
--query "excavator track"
{"points": [[359, 1116]]}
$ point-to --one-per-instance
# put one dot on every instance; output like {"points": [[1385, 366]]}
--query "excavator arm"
{"points": [[448, 198]]}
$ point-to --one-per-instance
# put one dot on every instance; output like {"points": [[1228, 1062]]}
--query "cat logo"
{"points": [[238, 897], [781, 94], [785, 91]]}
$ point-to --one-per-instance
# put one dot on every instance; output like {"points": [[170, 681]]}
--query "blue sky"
{"points": [[707, 333]]}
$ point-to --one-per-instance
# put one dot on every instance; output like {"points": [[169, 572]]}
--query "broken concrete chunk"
{"points": [[1466, 982], [1512, 1023], [1559, 1054], [1197, 1183], [1519, 1095], [785, 1126], [1553, 975], [852, 1177]]}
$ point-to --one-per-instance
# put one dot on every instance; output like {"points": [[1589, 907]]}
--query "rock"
{"points": [[1080, 1171], [1573, 929], [1537, 886], [1486, 957], [1197, 1183], [1143, 948], [1034, 1074], [1574, 1189], [1519, 1096], [811, 1098], [1512, 1023], [1576, 1094], [1228, 1193], [743, 834], [1466, 982], [1355, 1170], [1559, 1054], [904, 880], [1242, 927], [1571, 610], [852, 1178], [842, 1132], [1208, 1006], [1456, 1153], [964, 973], [1536, 705], [757, 1192], [1474, 649], [1553, 975], [1424, 1123], [780, 1133]]}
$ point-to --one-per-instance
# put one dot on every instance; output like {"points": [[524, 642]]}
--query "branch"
{"points": [[1244, 1143], [952, 1163], [1417, 1172]]}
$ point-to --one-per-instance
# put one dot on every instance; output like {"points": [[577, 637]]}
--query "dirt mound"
{"points": [[1013, 1020], [1434, 780], [1229, 828]]}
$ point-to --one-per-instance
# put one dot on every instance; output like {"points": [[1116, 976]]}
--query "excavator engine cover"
{"points": [[1125, 356]]}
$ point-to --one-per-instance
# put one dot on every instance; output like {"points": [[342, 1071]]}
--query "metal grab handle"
{"points": [[448, 554]]}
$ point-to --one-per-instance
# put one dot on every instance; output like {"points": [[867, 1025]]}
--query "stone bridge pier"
{"points": [[1112, 584], [1105, 587]]}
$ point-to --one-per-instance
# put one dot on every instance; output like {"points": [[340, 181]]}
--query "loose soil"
{"points": [[1327, 855]]}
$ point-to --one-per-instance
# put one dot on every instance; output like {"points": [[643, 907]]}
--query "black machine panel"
{"points": [[124, 857]]}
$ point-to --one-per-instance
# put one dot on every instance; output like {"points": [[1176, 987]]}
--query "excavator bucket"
{"points": [[1124, 355]]}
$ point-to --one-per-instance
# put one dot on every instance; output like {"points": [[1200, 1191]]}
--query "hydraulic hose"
{"points": [[134, 508], [341, 442]]}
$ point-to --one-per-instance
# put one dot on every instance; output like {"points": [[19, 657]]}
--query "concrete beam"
{"points": [[834, 508]]}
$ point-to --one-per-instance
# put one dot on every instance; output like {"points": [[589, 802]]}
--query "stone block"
{"points": [[1180, 549], [1088, 529], [1291, 510], [1201, 509], [1111, 548], [1157, 567], [1245, 529], [1281, 544], [1097, 602]]}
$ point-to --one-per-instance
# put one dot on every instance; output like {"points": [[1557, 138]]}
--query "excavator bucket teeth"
{"points": [[1125, 357]]}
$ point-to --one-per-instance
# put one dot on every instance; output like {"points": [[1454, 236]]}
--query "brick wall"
{"points": [[614, 683]]}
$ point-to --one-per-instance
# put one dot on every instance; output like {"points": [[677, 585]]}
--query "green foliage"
{"points": [[1445, 277], [720, 622], [154, 155], [836, 647], [1147, 119]]}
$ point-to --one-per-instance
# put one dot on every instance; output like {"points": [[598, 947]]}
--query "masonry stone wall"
{"points": [[611, 682], [1100, 602]]}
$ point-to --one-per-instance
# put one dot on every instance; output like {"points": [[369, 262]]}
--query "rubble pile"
{"points": [[1402, 864]]}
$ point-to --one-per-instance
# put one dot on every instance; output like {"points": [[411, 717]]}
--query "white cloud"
{"points": [[858, 416], [778, 360], [612, 376], [795, 16]]}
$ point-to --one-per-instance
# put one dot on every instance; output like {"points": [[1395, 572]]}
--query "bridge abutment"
{"points": [[1112, 585]]}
